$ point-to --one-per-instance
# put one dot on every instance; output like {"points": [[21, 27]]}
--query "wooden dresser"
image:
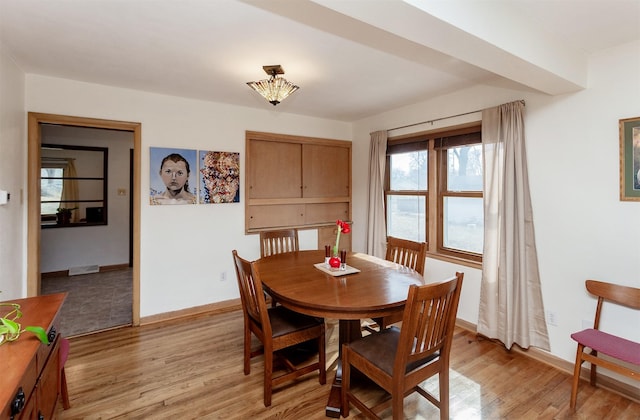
{"points": [[29, 369]]}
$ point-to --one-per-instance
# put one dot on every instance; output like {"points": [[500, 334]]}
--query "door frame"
{"points": [[34, 120]]}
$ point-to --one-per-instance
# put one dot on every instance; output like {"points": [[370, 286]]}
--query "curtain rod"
{"points": [[442, 118]]}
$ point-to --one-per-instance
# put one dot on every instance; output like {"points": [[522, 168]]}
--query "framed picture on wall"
{"points": [[219, 177], [172, 177], [630, 159]]}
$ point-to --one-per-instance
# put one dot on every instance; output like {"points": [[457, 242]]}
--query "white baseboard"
{"points": [[85, 269]]}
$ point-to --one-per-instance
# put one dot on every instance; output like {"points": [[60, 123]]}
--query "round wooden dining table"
{"points": [[370, 287]]}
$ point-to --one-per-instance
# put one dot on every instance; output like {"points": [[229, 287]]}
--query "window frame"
{"points": [[48, 221], [416, 145], [444, 193], [436, 143]]}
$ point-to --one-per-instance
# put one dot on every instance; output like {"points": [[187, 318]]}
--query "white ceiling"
{"points": [[351, 58]]}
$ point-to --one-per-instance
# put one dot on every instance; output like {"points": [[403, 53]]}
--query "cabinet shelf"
{"points": [[275, 201]]}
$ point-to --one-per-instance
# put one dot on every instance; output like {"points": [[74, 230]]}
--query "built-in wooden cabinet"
{"points": [[295, 181], [31, 369]]}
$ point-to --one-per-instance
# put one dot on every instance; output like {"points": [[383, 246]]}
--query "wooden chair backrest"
{"points": [[408, 253], [278, 241], [251, 293], [428, 321], [622, 295]]}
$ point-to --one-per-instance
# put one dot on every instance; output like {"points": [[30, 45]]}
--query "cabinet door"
{"points": [[275, 216], [30, 410], [327, 236], [325, 212], [47, 387], [275, 169], [327, 171]]}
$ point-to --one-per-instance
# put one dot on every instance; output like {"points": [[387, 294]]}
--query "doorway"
{"points": [[35, 120]]}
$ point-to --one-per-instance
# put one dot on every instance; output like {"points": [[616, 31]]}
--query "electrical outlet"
{"points": [[552, 318], [223, 276]]}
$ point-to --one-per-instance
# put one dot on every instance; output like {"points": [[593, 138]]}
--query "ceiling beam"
{"points": [[484, 34]]}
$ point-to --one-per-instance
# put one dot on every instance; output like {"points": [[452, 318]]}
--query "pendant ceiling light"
{"points": [[274, 89]]}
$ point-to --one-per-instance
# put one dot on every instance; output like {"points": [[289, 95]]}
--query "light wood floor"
{"points": [[192, 369]]}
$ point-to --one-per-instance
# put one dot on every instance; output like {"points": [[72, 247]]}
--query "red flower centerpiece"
{"points": [[343, 227]]}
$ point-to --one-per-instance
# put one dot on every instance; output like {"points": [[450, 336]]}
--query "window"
{"points": [[462, 222], [51, 189], [433, 191], [407, 195], [73, 178]]}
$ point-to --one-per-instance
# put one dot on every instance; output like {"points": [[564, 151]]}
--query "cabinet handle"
{"points": [[51, 335], [40, 416], [18, 402]]}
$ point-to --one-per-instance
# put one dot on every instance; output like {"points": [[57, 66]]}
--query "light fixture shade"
{"points": [[274, 89]]}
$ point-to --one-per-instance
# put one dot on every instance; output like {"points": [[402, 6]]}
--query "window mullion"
{"points": [[432, 206]]}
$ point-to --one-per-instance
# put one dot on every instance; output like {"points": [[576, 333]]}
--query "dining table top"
{"points": [[372, 287]]}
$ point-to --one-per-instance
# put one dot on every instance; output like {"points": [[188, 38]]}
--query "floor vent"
{"points": [[87, 269]]}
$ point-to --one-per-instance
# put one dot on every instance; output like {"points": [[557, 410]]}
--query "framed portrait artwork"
{"points": [[173, 176], [630, 159], [219, 177]]}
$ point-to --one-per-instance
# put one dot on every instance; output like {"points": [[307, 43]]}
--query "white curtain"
{"points": [[511, 308], [70, 189], [376, 223]]}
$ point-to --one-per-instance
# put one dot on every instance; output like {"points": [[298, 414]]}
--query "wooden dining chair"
{"points": [[398, 360], [409, 254], [278, 241], [277, 328], [621, 355], [274, 242]]}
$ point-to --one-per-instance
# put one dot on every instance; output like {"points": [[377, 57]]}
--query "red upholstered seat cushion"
{"points": [[611, 345], [64, 351]]}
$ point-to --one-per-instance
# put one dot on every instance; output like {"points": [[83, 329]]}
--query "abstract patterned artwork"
{"points": [[219, 177]]}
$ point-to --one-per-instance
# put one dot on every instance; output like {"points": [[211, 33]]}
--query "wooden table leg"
{"points": [[348, 331]]}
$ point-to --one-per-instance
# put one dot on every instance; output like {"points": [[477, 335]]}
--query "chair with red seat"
{"points": [[623, 356]]}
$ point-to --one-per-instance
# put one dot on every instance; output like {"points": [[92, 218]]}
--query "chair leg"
{"points": [[444, 392], [322, 359], [397, 404], [268, 376], [247, 350], [576, 377], [64, 392], [592, 376]]}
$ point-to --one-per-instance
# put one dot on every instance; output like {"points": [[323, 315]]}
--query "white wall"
{"points": [[183, 248], [104, 245], [13, 176], [583, 230]]}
